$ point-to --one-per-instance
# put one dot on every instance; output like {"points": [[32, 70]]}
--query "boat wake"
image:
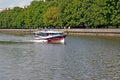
{"points": [[39, 41], [15, 41], [21, 41]]}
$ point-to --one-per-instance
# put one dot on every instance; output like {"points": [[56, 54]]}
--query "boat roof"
{"points": [[48, 31]]}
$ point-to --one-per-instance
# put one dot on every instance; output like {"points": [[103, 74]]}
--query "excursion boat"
{"points": [[49, 36]]}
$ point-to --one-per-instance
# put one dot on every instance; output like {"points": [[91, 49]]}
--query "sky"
{"points": [[13, 3]]}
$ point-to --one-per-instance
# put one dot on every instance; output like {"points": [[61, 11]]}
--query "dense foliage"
{"points": [[63, 13]]}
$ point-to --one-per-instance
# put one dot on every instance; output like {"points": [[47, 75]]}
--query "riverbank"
{"points": [[94, 32], [18, 30], [84, 32]]}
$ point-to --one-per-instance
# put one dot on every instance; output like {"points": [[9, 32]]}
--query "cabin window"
{"points": [[43, 34], [56, 34]]}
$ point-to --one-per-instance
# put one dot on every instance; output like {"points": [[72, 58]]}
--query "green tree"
{"points": [[52, 17], [65, 13]]}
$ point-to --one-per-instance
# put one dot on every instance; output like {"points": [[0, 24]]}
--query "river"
{"points": [[80, 58]]}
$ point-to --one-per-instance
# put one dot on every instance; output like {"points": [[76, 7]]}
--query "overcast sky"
{"points": [[13, 3]]}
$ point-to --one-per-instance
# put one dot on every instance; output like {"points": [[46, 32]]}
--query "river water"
{"points": [[80, 58]]}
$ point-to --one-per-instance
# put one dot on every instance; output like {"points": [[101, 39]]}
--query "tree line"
{"points": [[63, 14]]}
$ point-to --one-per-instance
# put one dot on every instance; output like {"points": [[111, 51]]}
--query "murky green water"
{"points": [[81, 58]]}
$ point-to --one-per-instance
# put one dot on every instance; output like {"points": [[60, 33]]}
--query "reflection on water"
{"points": [[81, 58]]}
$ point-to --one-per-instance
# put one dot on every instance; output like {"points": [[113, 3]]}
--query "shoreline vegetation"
{"points": [[63, 13], [78, 32]]}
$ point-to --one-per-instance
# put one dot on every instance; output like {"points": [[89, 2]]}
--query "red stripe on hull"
{"points": [[56, 40]]}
